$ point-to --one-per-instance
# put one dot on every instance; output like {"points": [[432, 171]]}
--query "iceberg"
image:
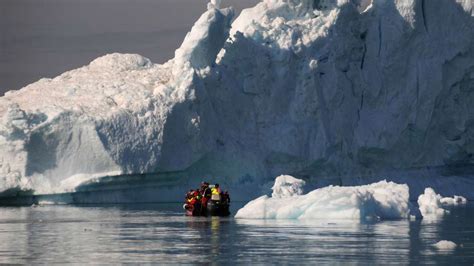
{"points": [[382, 200], [333, 92]]}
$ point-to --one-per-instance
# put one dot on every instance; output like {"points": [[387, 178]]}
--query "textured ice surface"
{"points": [[382, 200], [325, 90], [287, 186]]}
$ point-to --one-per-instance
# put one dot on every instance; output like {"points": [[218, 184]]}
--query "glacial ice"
{"points": [[382, 200], [334, 92]]}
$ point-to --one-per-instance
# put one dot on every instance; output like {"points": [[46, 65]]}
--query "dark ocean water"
{"points": [[162, 234]]}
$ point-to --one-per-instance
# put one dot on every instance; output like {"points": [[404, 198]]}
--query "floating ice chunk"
{"points": [[382, 200], [287, 186], [430, 204], [445, 245], [454, 201]]}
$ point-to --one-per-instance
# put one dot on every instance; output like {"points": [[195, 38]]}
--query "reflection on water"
{"points": [[160, 233]]}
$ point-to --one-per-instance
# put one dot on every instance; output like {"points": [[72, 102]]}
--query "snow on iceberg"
{"points": [[432, 205], [303, 87], [382, 200], [50, 134]]}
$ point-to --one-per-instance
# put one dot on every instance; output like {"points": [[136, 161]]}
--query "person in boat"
{"points": [[186, 197], [189, 196], [219, 203], [190, 200], [204, 190], [216, 192], [193, 202], [197, 205], [225, 197], [205, 196], [207, 191]]}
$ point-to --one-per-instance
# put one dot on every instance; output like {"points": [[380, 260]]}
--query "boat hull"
{"points": [[214, 208]]}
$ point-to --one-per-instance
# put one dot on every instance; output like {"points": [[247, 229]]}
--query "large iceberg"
{"points": [[382, 200], [331, 91]]}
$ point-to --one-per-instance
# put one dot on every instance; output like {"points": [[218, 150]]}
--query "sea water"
{"points": [[160, 233]]}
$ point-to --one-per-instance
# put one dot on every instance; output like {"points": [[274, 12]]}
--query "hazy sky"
{"points": [[44, 38]]}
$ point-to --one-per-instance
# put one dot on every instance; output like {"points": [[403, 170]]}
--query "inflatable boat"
{"points": [[213, 208]]}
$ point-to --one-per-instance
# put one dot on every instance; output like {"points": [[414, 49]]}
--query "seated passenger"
{"points": [[189, 195], [207, 191], [216, 192], [225, 197]]}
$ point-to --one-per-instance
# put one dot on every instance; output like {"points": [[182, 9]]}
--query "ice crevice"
{"points": [[423, 13]]}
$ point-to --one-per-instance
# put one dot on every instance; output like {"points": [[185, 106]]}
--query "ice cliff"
{"points": [[331, 91]]}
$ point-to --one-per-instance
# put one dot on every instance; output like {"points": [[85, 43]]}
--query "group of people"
{"points": [[196, 200]]}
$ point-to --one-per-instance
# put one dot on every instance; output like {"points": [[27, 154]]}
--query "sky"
{"points": [[44, 38]]}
